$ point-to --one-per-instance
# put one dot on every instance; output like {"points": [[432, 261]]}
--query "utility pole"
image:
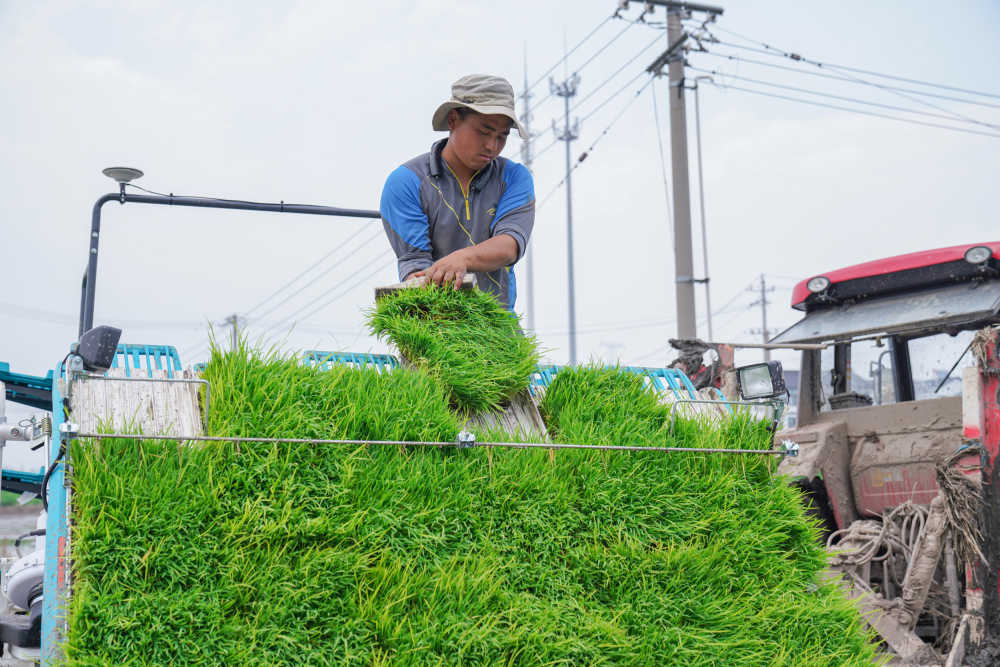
{"points": [[234, 321], [683, 262], [701, 197], [763, 303], [527, 157], [567, 133], [673, 58]]}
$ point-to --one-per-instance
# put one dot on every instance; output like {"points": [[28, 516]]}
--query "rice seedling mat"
{"points": [[296, 553]]}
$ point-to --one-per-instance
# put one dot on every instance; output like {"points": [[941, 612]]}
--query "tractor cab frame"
{"points": [[883, 409]]}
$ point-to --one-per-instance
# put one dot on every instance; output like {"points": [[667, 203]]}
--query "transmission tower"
{"points": [[527, 157], [764, 332], [568, 133]]}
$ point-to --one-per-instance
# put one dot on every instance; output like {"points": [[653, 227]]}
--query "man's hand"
{"points": [[450, 269], [490, 255]]}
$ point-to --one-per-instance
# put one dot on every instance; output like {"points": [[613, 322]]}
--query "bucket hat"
{"points": [[482, 93]]}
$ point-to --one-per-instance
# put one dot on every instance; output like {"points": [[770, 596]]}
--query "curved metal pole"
{"points": [[90, 276]]}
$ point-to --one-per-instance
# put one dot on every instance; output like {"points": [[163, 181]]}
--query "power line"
{"points": [[54, 317], [858, 111], [547, 147], [589, 60], [200, 348], [646, 325], [821, 94], [370, 262], [663, 163], [600, 106], [307, 270], [569, 53], [603, 48], [195, 350], [770, 50], [354, 285], [321, 275], [836, 77], [627, 326], [616, 73], [616, 94], [586, 153]]}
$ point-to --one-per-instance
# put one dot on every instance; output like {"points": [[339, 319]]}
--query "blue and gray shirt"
{"points": [[427, 214]]}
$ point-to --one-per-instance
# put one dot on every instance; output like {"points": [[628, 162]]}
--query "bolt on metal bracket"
{"points": [[790, 448]]}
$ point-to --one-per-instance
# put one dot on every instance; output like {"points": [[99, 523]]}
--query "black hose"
{"points": [[35, 533], [48, 473]]}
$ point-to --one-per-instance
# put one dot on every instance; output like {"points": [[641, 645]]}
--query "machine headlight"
{"points": [[978, 254], [761, 380], [818, 284], [97, 347]]}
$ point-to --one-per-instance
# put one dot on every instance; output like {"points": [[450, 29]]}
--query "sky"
{"points": [[316, 102]]}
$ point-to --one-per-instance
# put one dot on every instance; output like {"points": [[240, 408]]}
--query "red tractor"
{"points": [[898, 425]]}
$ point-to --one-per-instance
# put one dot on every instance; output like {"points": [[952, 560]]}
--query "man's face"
{"points": [[477, 138]]}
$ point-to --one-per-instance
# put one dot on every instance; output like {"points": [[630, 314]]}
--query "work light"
{"points": [[978, 254], [761, 380], [818, 284]]}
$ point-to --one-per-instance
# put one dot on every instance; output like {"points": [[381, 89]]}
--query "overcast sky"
{"points": [[316, 102]]}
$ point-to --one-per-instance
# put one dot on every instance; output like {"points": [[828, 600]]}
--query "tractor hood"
{"points": [[963, 306]]}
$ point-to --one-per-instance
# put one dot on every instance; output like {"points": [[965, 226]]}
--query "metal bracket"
{"points": [[466, 439], [26, 431], [73, 367], [68, 430], [790, 448]]}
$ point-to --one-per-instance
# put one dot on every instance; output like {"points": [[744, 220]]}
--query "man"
{"points": [[461, 208]]}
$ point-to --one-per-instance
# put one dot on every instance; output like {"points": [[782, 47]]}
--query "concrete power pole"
{"points": [[673, 57], [567, 133], [527, 156], [765, 334], [234, 321], [683, 261]]}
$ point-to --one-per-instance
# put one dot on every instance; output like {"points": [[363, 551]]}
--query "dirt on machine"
{"points": [[897, 421]]}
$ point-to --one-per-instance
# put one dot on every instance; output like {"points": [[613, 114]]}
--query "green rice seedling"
{"points": [[288, 554], [464, 338]]}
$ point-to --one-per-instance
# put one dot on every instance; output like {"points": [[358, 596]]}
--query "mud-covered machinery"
{"points": [[899, 443]]}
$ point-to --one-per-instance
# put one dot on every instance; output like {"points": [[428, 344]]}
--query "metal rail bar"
{"points": [[778, 346], [90, 275], [439, 444], [208, 387]]}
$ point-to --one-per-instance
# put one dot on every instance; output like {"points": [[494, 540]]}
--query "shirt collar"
{"points": [[437, 162], [438, 165]]}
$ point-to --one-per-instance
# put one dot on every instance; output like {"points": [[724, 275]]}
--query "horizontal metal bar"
{"points": [[778, 346], [208, 387], [693, 6], [425, 443], [89, 284], [239, 204]]}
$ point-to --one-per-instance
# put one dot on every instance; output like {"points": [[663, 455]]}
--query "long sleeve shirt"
{"points": [[427, 214]]}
